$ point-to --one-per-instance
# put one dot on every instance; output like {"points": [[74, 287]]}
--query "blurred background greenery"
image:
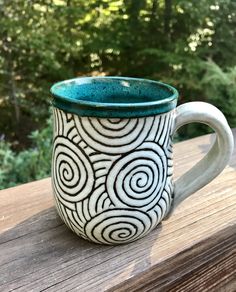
{"points": [[188, 44]]}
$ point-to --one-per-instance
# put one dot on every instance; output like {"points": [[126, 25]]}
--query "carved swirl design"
{"points": [[72, 172], [113, 136], [116, 226], [137, 179], [112, 178]]}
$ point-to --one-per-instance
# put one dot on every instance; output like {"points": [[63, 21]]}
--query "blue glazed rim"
{"points": [[113, 109]]}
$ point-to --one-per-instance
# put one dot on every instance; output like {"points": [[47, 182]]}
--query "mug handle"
{"points": [[215, 160]]}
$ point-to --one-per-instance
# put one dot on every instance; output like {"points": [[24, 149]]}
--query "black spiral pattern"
{"points": [[112, 178], [117, 226], [137, 179], [72, 172], [113, 136]]}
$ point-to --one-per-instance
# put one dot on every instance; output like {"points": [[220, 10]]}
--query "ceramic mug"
{"points": [[112, 160]]}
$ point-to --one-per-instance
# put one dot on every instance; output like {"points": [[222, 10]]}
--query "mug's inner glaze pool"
{"points": [[117, 97], [113, 90]]}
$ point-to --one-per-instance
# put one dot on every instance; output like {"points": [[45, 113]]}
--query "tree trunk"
{"points": [[154, 27], [7, 54], [13, 95], [154, 10], [167, 17]]}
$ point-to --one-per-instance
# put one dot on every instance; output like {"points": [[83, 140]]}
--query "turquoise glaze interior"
{"points": [[112, 90], [113, 96]]}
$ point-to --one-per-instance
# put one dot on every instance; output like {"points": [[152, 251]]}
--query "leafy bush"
{"points": [[210, 83], [220, 88], [31, 164]]}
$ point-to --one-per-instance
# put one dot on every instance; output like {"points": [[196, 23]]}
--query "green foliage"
{"points": [[220, 86], [189, 44], [27, 165]]}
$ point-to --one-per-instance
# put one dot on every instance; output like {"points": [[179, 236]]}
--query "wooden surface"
{"points": [[194, 250]]}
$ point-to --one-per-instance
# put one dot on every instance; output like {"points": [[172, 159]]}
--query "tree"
{"points": [[189, 44]]}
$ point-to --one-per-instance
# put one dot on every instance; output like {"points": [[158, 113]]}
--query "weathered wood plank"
{"points": [[193, 250], [205, 266]]}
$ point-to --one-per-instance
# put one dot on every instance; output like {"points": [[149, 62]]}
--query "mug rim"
{"points": [[113, 109]]}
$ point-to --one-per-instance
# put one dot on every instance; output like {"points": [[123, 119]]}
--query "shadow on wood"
{"points": [[38, 251]]}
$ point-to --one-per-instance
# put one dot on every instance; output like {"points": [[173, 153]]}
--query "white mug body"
{"points": [[112, 177]]}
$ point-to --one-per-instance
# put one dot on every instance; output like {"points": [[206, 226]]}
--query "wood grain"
{"points": [[194, 250]]}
